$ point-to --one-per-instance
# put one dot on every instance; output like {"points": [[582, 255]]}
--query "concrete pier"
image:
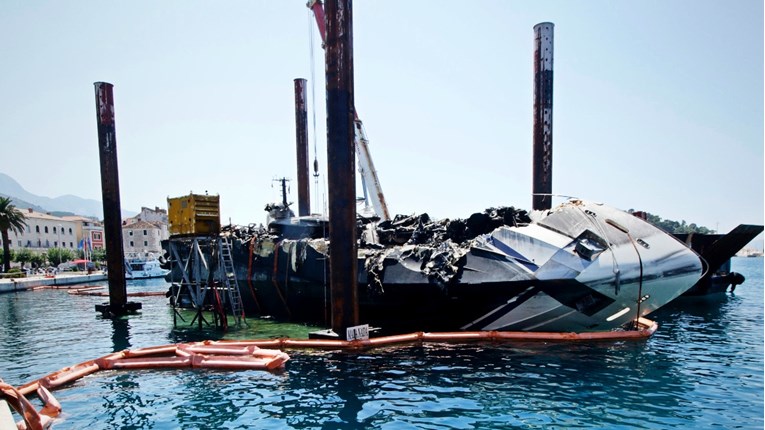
{"points": [[11, 285]]}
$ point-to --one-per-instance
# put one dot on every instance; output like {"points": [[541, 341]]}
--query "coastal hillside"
{"points": [[69, 203]]}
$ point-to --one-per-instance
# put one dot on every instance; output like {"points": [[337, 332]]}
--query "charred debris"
{"points": [[439, 245]]}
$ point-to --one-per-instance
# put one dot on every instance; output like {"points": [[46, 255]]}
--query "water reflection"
{"points": [[123, 401], [120, 334]]}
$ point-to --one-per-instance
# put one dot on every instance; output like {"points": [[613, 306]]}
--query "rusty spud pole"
{"points": [[341, 174], [301, 131], [543, 116], [110, 191]]}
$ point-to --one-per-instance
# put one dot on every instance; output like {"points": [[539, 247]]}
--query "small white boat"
{"points": [[141, 268]]}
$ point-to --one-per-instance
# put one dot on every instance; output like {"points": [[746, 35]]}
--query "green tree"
{"points": [[11, 219], [98, 254], [2, 257], [23, 256], [38, 260], [671, 226], [57, 256]]}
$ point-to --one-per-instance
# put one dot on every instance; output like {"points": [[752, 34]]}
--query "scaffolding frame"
{"points": [[207, 280]]}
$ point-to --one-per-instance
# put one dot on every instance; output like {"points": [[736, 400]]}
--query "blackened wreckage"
{"points": [[581, 266]]}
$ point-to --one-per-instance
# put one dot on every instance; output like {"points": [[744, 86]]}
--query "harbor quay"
{"points": [[9, 285]]}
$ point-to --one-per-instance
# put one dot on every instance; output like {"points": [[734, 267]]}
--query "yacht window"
{"points": [[589, 245]]}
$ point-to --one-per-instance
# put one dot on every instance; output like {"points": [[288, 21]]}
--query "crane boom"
{"points": [[369, 178], [317, 7]]}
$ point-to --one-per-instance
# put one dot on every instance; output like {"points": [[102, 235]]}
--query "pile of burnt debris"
{"points": [[401, 230], [437, 248], [421, 230]]}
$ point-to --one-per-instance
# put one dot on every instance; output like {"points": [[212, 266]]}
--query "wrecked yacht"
{"points": [[579, 267]]}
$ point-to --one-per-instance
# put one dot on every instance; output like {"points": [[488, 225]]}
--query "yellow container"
{"points": [[194, 214]]}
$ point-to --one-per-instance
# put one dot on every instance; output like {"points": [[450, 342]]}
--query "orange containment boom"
{"points": [[253, 355], [32, 420], [195, 354], [645, 330]]}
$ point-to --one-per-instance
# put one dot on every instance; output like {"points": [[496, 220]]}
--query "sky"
{"points": [[658, 104]]}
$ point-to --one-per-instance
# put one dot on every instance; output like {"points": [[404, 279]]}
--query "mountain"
{"points": [[23, 204], [22, 198]]}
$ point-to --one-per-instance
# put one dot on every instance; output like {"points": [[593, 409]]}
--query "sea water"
{"points": [[702, 369]]}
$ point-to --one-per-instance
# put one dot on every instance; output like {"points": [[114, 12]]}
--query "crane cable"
{"points": [[312, 65]]}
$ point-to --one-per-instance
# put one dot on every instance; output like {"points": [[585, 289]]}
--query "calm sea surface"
{"points": [[702, 369]]}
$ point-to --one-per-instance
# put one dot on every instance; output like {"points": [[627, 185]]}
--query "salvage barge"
{"points": [[579, 267]]}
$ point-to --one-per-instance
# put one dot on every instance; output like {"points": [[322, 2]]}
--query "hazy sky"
{"points": [[658, 105]]}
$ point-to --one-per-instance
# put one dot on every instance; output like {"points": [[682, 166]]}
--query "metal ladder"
{"points": [[229, 280]]}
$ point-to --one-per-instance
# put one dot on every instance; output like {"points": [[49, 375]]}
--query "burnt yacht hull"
{"points": [[579, 267]]}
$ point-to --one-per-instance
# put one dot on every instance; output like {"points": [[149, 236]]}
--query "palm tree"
{"points": [[10, 219]]}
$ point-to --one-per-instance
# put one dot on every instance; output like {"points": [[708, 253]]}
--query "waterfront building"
{"points": [[155, 216], [45, 231], [90, 232], [142, 239], [141, 234]]}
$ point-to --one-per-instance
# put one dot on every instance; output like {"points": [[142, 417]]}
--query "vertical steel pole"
{"points": [[301, 131], [341, 170], [543, 115], [110, 190]]}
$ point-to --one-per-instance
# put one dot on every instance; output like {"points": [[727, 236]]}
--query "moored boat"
{"points": [[144, 268]]}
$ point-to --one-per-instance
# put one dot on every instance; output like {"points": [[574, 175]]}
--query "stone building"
{"points": [[141, 239]]}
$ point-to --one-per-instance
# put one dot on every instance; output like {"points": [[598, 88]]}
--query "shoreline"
{"points": [[29, 282]]}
